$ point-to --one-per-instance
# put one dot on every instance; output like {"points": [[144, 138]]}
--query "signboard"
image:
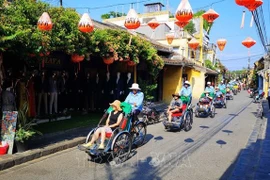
{"points": [[8, 128], [52, 62]]}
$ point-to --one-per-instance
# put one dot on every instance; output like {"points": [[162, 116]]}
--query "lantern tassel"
{"points": [[107, 68], [243, 19], [129, 43], [251, 21], [42, 63], [152, 34], [79, 66]]}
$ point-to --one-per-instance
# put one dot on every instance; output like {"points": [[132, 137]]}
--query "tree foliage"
{"points": [[112, 14], [209, 65], [19, 34], [190, 27]]}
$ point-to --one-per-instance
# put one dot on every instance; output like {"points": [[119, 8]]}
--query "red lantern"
{"points": [[44, 22], [46, 54], [184, 12], [170, 38], [77, 58], [249, 42], [131, 63], [108, 60], [181, 24], [86, 25], [193, 44], [243, 2], [153, 24], [210, 15], [132, 21], [254, 5], [221, 44]]}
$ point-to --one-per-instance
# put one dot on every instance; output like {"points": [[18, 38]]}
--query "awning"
{"points": [[212, 72]]}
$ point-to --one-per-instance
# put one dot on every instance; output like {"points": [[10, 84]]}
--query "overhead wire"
{"points": [[241, 58]]}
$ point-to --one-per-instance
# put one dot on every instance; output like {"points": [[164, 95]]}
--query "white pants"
{"points": [[53, 102]]}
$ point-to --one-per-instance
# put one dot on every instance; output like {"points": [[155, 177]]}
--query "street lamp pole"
{"points": [[61, 3]]}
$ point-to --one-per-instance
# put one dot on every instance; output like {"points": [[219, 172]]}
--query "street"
{"points": [[206, 152]]}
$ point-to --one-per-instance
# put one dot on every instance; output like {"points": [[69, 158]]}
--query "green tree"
{"points": [[190, 27], [209, 65]]}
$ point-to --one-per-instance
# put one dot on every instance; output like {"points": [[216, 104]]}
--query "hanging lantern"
{"points": [[170, 38], [184, 12], [181, 24], [221, 44], [86, 25], [153, 24], [132, 21], [249, 42], [210, 15], [77, 58], [131, 63], [193, 44], [44, 22], [243, 2], [46, 54], [254, 5], [108, 60]]}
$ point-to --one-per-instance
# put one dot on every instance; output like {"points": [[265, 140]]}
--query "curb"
{"points": [[8, 161]]}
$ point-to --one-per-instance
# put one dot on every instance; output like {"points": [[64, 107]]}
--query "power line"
{"points": [[241, 58]]}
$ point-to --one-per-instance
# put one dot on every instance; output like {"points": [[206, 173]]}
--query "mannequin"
{"points": [[118, 86], [53, 92], [107, 90], [62, 92], [87, 90], [21, 93], [97, 92], [41, 88], [128, 84], [31, 96]]}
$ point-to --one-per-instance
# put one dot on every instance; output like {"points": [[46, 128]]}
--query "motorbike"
{"points": [[257, 97], [253, 92], [149, 114]]}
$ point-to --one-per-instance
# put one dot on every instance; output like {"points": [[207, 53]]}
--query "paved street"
{"points": [[206, 152]]}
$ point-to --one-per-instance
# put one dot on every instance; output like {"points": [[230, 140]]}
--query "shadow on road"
{"points": [[204, 127], [221, 143], [227, 131], [189, 140]]}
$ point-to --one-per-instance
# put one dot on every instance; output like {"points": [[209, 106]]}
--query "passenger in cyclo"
{"points": [[222, 87], [112, 122], [186, 93], [206, 100], [175, 106], [135, 99]]}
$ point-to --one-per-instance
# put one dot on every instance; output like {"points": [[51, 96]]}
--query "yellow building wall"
{"points": [[265, 82], [171, 82], [197, 81]]}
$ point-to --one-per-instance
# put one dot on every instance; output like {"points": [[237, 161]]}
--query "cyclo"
{"points": [[118, 144], [182, 119], [205, 106], [229, 93], [220, 99]]}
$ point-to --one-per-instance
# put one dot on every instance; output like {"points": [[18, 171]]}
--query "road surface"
{"points": [[206, 152]]}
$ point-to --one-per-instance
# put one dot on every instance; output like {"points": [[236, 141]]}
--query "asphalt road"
{"points": [[208, 151]]}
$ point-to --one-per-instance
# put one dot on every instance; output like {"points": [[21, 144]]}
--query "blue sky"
{"points": [[227, 26]]}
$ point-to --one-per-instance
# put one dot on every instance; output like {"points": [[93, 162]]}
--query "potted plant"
{"points": [[24, 131]]}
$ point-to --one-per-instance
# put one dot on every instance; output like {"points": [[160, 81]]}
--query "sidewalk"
{"points": [[253, 162]]}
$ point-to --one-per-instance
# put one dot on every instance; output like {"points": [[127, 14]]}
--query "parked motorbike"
{"points": [[257, 97], [149, 114]]}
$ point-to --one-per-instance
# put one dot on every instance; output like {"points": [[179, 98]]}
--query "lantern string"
{"points": [[243, 19], [42, 63], [79, 66]]}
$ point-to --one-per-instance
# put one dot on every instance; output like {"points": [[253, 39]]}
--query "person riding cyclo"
{"points": [[186, 93], [222, 87], [228, 89], [206, 99], [209, 89], [175, 106]]}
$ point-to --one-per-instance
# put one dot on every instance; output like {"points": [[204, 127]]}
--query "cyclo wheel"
{"points": [[213, 112], [188, 122], [121, 147], [139, 133]]}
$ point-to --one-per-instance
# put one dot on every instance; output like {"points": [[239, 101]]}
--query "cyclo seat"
{"points": [[178, 114], [125, 122]]}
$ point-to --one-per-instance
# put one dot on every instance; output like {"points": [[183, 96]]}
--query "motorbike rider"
{"points": [[175, 106], [186, 93]]}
